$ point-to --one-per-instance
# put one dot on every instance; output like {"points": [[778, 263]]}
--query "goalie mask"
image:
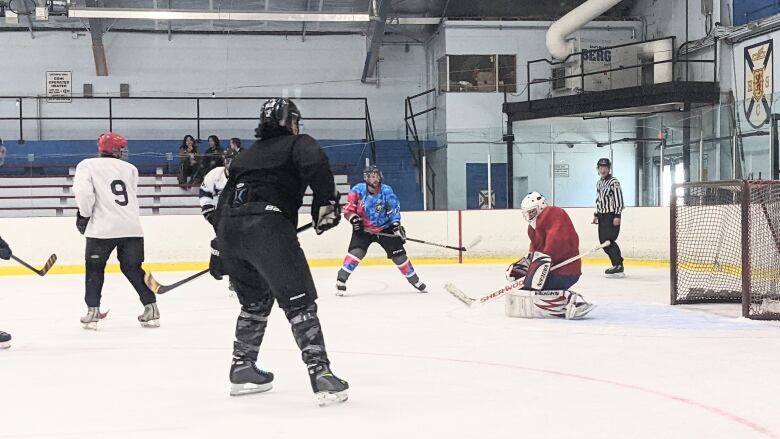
{"points": [[532, 206]]}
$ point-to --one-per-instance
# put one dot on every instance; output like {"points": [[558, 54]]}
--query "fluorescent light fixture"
{"points": [[190, 14]]}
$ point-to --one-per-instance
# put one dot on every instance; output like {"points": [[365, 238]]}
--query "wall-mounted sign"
{"points": [[758, 83], [483, 199], [561, 170], [59, 86]]}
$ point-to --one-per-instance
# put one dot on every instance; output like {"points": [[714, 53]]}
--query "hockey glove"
{"points": [[399, 231], [537, 271], [357, 224], [215, 263], [326, 216], [81, 222], [518, 269], [5, 251]]}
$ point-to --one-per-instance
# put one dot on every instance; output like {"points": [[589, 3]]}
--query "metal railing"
{"points": [[197, 115], [417, 149], [674, 61]]}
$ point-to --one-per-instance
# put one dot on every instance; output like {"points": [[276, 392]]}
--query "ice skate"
{"points": [[341, 288], [328, 388], [5, 340], [615, 272], [246, 378], [420, 287], [91, 319], [151, 316]]}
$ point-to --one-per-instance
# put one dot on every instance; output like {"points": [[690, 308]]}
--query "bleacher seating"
{"points": [[44, 169], [157, 194]]}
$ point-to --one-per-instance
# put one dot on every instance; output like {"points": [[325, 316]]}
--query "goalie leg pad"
{"points": [[530, 304]]}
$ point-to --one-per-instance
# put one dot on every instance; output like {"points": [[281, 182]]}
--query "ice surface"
{"points": [[420, 365]]}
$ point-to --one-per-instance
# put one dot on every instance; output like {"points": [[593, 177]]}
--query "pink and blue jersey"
{"points": [[378, 211]]}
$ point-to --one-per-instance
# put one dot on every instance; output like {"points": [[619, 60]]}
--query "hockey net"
{"points": [[725, 245]]}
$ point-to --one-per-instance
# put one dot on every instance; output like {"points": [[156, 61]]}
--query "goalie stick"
{"points": [[472, 302], [46, 267], [158, 288]]}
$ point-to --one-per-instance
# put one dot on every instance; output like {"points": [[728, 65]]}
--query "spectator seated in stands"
{"points": [[188, 161], [235, 144], [211, 158]]}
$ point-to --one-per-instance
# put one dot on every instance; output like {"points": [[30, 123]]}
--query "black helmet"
{"points": [[372, 169], [604, 162], [277, 118]]}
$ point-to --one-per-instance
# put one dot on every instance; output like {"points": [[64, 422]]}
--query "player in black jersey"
{"points": [[257, 246]]}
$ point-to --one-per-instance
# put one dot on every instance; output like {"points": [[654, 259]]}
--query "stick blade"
{"points": [[152, 283], [458, 294], [47, 266], [473, 243]]}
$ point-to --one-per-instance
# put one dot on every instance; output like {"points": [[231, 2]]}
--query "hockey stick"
{"points": [[158, 288], [420, 241], [46, 267], [472, 302]]}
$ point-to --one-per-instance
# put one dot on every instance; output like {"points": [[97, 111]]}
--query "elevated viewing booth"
{"points": [[602, 101]]}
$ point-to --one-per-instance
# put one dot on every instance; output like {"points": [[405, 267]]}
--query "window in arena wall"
{"points": [[666, 184], [480, 73], [472, 73], [507, 73]]}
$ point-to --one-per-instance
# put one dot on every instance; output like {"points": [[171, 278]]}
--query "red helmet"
{"points": [[111, 143]]}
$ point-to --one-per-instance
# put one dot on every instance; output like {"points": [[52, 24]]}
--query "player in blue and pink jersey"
{"points": [[375, 214]]}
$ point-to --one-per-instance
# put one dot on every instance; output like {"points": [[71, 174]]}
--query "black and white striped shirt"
{"points": [[609, 196]]}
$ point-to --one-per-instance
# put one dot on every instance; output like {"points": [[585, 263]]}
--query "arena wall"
{"points": [[180, 242]]}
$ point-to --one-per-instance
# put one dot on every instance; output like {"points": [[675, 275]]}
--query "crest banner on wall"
{"points": [[758, 83]]}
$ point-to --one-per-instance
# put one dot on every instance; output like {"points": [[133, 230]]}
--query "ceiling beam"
{"points": [[303, 26], [375, 36], [96, 31]]}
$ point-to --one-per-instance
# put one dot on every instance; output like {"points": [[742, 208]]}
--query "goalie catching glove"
{"points": [[327, 215], [538, 271], [518, 270]]}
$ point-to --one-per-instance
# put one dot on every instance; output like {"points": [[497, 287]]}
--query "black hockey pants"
{"points": [[607, 231], [261, 254], [130, 252]]}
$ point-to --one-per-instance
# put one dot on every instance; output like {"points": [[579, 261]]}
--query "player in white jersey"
{"points": [[212, 186], [109, 216]]}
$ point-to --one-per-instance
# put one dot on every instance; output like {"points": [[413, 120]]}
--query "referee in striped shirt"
{"points": [[609, 205]]}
